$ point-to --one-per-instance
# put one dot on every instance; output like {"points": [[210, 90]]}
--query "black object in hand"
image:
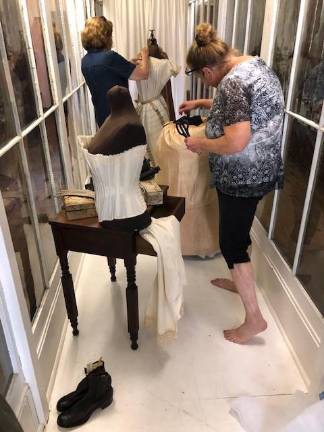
{"points": [[148, 172], [183, 123]]}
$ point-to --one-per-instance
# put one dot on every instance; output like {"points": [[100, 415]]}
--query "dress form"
{"points": [[151, 105], [115, 157]]}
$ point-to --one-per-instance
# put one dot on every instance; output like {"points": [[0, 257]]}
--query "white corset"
{"points": [[116, 181]]}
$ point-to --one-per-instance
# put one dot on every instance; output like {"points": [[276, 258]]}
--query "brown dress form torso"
{"points": [[120, 132]]}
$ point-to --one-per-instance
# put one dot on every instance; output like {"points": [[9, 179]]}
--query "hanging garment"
{"points": [[187, 175], [151, 105], [165, 305]]}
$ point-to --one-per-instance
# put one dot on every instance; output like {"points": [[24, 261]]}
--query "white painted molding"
{"points": [[296, 315]]}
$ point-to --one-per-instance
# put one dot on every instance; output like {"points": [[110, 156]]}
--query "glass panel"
{"points": [[40, 54], [5, 364], [285, 40], [42, 194], [241, 25], [98, 7], [311, 269], [300, 148], [264, 210], [308, 98], [55, 152], [257, 18], [69, 122], [13, 189], [71, 35], [18, 61], [60, 48], [6, 119], [229, 21]]}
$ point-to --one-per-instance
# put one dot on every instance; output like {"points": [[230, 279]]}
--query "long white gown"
{"points": [[151, 105]]}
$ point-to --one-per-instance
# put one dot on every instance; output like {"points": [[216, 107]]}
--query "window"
{"points": [[39, 154], [18, 61], [285, 41], [256, 29], [297, 225], [36, 32], [13, 186], [299, 152]]}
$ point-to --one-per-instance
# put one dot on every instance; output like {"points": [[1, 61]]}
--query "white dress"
{"points": [[151, 105]]}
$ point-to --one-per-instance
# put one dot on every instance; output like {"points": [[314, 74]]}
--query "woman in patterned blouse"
{"points": [[243, 138]]}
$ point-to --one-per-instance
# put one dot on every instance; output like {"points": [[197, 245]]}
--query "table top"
{"points": [[171, 206], [88, 236]]}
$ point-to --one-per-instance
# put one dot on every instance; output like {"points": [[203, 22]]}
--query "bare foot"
{"points": [[226, 284], [246, 331]]}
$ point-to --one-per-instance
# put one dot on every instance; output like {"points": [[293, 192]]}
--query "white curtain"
{"points": [[132, 20]]}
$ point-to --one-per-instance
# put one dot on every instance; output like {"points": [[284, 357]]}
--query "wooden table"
{"points": [[88, 236]]}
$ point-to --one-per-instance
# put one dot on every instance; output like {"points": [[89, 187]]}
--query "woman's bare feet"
{"points": [[246, 331], [226, 284]]}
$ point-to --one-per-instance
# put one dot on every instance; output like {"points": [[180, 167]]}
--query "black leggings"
{"points": [[236, 216]]}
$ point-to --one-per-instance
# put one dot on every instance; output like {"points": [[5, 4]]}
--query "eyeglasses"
{"points": [[191, 71]]}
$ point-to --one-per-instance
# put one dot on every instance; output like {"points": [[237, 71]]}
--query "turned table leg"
{"points": [[132, 301], [69, 294], [112, 268]]}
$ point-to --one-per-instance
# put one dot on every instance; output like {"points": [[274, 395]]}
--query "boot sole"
{"points": [[102, 404]]}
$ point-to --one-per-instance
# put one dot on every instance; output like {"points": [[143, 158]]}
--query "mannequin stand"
{"points": [[88, 236]]}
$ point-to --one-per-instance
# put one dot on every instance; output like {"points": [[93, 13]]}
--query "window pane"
{"points": [[241, 25], [285, 40], [73, 151], [59, 44], [13, 189], [42, 194], [257, 18], [6, 119], [71, 40], [311, 269], [18, 61], [5, 364], [264, 210], [39, 52], [300, 148], [55, 152], [308, 97]]}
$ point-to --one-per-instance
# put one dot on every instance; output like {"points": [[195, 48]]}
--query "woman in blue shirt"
{"points": [[103, 68]]}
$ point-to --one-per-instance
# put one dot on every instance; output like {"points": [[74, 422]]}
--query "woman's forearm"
{"points": [[204, 103], [218, 145]]}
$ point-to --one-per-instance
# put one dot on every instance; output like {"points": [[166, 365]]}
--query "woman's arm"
{"points": [[141, 72], [236, 137], [187, 106]]}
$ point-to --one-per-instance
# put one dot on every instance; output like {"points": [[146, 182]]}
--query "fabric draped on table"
{"points": [[187, 175], [165, 305]]}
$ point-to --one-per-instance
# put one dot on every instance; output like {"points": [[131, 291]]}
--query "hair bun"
{"points": [[205, 34]]}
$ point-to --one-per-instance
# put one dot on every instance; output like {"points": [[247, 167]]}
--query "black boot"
{"points": [[98, 395], [70, 399]]}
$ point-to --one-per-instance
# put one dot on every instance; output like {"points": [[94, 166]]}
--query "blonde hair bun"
{"points": [[205, 34]]}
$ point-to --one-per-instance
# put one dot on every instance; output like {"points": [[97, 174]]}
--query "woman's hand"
{"points": [[195, 144], [187, 106]]}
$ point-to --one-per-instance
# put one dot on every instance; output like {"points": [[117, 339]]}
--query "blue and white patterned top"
{"points": [[251, 91]]}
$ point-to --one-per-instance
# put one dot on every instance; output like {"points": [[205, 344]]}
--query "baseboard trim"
{"points": [[299, 321]]}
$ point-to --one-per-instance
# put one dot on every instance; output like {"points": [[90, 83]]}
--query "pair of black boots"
{"points": [[93, 392]]}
